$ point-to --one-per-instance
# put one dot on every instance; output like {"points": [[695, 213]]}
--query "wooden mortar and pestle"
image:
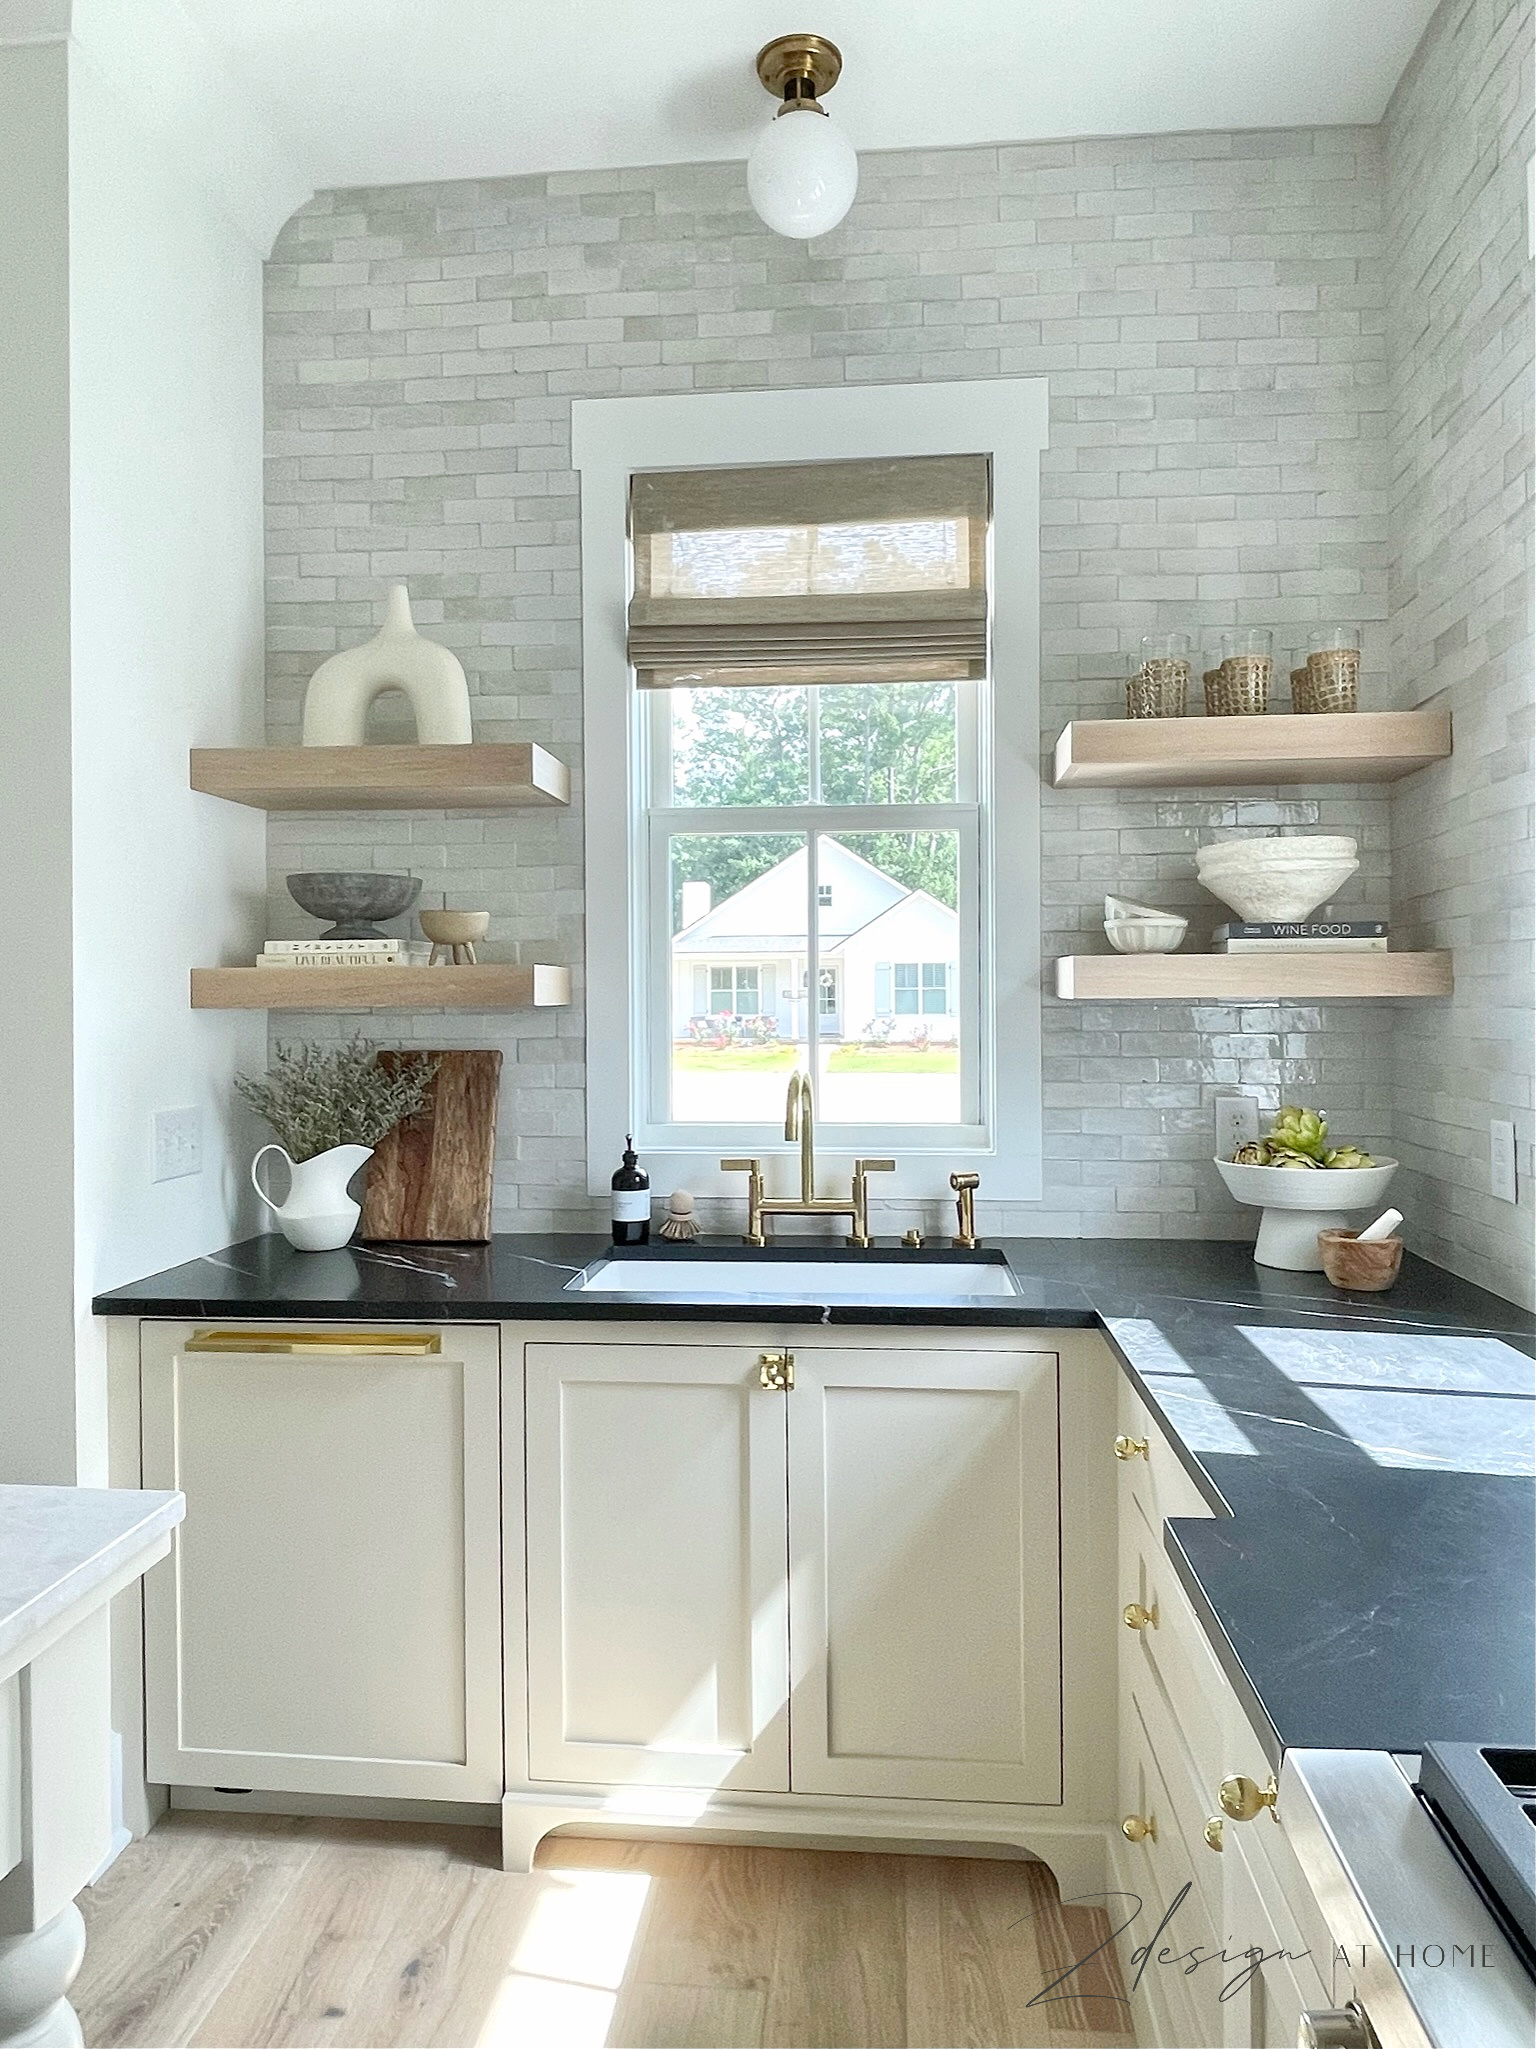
{"points": [[1366, 1261]]}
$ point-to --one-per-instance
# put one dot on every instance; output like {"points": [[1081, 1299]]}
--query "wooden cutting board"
{"points": [[431, 1177]]}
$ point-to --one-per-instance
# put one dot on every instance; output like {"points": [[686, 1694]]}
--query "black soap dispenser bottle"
{"points": [[631, 1200]]}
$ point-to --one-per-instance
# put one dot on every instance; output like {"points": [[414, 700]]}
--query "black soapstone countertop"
{"points": [[1367, 1578]]}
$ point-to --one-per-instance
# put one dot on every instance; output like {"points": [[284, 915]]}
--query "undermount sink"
{"points": [[859, 1277]]}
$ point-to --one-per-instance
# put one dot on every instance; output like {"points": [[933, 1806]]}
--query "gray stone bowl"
{"points": [[354, 901]]}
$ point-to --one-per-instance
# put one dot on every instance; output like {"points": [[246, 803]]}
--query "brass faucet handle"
{"points": [[753, 1169], [862, 1169], [874, 1167]]}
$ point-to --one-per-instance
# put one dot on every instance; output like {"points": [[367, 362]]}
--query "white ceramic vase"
{"points": [[318, 1214], [397, 658]]}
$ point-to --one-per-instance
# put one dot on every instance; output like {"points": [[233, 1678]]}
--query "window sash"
{"points": [[807, 823]]}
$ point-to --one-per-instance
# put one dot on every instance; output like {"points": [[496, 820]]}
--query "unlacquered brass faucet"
{"points": [[800, 1123]]}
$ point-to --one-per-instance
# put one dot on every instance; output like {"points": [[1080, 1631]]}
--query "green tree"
{"points": [[877, 744]]}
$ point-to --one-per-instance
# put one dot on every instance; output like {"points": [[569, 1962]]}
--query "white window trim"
{"points": [[1005, 418]]}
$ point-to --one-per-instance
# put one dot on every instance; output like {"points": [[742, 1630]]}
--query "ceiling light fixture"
{"points": [[803, 171]]}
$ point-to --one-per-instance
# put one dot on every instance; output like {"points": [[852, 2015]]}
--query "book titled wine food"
{"points": [[1331, 935]]}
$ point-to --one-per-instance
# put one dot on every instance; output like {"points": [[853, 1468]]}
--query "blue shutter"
{"points": [[882, 988]]}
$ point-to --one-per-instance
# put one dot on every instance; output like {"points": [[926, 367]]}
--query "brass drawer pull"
{"points": [[1243, 1798], [394, 1344], [1130, 1447], [776, 1370], [1139, 1828], [1134, 1616], [1215, 1830]]}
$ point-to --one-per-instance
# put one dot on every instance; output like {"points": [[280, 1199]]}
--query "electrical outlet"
{"points": [[178, 1144], [1501, 1160], [1237, 1123]]}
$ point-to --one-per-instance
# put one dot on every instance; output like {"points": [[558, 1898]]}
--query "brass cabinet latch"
{"points": [[776, 1370]]}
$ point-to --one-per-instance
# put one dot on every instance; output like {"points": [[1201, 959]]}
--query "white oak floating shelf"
{"points": [[1288, 977], [492, 987], [383, 778], [1287, 747]]}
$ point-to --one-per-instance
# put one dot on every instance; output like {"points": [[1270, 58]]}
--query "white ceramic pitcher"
{"points": [[318, 1215]]}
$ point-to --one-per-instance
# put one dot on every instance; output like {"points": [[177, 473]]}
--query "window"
{"points": [[796, 701], [734, 990], [919, 988]]}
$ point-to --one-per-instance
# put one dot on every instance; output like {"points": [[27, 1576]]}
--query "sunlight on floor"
{"points": [[570, 1961]]}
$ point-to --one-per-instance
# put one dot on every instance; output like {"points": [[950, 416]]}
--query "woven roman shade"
{"points": [[830, 572]]}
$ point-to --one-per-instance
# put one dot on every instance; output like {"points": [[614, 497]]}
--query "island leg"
{"points": [[62, 1819]]}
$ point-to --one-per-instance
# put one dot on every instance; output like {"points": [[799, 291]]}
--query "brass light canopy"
{"points": [[798, 69]]}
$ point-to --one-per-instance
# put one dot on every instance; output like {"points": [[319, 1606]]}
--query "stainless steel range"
{"points": [[1425, 1872]]}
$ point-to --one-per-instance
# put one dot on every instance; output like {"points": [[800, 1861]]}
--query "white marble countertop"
{"points": [[59, 1544]]}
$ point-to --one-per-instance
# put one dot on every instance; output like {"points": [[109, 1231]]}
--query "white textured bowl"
{"points": [[1145, 935], [1277, 879], [1319, 1188]]}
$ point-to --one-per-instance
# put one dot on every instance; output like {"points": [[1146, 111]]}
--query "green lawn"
{"points": [[843, 1060], [733, 1059], [894, 1060]]}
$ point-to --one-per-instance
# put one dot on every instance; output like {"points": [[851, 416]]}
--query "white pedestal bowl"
{"points": [[1297, 1204]]}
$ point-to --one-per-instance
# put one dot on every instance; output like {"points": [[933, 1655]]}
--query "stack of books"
{"points": [[1332, 935], [344, 953]]}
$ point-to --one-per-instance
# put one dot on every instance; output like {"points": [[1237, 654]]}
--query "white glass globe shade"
{"points": [[802, 174]]}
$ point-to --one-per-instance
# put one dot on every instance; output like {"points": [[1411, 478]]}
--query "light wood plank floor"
{"points": [[243, 1930]]}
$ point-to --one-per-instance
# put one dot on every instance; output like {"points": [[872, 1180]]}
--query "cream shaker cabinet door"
{"points": [[925, 1602], [329, 1619], [657, 1634]]}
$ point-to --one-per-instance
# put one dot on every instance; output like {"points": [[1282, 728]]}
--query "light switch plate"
{"points": [[1237, 1123], [1501, 1160], [177, 1147]]}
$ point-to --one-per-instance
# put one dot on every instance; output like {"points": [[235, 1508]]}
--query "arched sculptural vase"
{"points": [[397, 658]]}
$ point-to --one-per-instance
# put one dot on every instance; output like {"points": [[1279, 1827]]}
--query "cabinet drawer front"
{"points": [[657, 1635], [329, 1619], [1155, 1480], [1158, 1870], [1173, 1653], [925, 1574]]}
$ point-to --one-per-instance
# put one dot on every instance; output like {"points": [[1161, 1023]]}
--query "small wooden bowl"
{"points": [[1363, 1269], [455, 928]]}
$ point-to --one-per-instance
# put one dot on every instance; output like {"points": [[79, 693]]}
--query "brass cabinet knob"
{"points": [[1243, 1798], [1335, 2027], [1130, 1447], [1213, 1833], [1139, 1828], [1134, 1616]]}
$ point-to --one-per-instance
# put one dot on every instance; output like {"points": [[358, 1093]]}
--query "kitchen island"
{"points": [[64, 1553]]}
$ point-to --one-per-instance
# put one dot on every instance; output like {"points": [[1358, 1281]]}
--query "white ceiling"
{"points": [[392, 91]]}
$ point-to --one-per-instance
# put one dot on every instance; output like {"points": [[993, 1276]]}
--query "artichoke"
{"points": [[1300, 1131], [1347, 1156], [1285, 1156], [1254, 1154]]}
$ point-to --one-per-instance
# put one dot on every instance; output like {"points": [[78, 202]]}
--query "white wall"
{"points": [[130, 628], [166, 626], [36, 1163]]}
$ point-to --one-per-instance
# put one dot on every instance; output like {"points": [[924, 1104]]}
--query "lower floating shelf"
{"points": [[486, 988], [1294, 976]]}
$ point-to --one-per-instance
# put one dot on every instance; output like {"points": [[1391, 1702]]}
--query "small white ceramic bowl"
{"points": [[1146, 935]]}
